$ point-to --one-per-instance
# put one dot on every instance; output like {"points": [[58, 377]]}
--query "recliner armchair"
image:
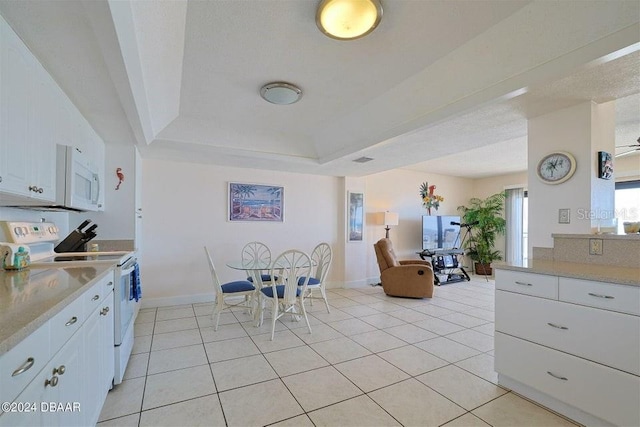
{"points": [[410, 278]]}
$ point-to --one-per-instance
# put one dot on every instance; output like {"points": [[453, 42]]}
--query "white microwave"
{"points": [[78, 181]]}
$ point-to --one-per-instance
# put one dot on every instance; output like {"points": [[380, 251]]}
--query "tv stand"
{"points": [[445, 265]]}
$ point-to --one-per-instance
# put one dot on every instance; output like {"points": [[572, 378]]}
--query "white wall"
{"points": [[485, 187], [117, 221], [603, 119], [185, 208], [572, 129]]}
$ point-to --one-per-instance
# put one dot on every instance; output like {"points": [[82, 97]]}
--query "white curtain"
{"points": [[514, 234]]}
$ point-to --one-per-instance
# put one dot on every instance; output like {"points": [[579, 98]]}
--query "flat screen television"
{"points": [[439, 233]]}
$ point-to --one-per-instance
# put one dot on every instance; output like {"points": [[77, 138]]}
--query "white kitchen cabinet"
{"points": [[139, 216], [99, 358], [35, 115], [107, 352], [591, 334], [42, 127], [20, 365], [60, 382], [596, 389], [27, 152], [72, 386], [15, 85], [572, 345]]}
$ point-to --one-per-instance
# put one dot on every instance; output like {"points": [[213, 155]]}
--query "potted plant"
{"points": [[486, 221]]}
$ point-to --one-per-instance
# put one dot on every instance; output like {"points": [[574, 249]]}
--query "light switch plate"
{"points": [[595, 246], [564, 216]]}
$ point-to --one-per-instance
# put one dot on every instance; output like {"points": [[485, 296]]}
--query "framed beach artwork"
{"points": [[355, 217], [605, 165], [256, 202]]}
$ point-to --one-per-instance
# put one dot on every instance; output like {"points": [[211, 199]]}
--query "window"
{"points": [[627, 202]]}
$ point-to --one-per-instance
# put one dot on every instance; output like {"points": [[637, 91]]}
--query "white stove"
{"points": [[40, 238]]}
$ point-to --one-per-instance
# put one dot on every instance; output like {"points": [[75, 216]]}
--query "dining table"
{"points": [[254, 270]]}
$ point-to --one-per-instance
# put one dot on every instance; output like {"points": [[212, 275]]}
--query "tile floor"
{"points": [[374, 361]]}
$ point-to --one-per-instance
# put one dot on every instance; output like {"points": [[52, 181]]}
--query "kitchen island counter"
{"points": [[29, 298], [603, 273]]}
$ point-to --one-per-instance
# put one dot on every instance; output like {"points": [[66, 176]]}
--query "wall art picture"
{"points": [[605, 165], [256, 202], [355, 227]]}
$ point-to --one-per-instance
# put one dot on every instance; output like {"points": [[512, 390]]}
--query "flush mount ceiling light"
{"points": [[348, 19], [281, 93]]}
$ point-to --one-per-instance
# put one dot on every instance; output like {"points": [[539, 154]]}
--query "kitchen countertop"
{"points": [[30, 297], [602, 273]]}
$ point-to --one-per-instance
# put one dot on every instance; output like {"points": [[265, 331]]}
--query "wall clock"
{"points": [[556, 167]]}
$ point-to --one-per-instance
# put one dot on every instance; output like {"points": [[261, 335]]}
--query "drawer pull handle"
{"points": [[553, 325], [557, 376], [601, 296], [60, 370], [104, 311], [25, 367], [71, 321], [52, 382], [523, 284], [95, 298], [110, 284]]}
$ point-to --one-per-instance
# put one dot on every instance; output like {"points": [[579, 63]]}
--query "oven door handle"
{"points": [[128, 268], [126, 272]]}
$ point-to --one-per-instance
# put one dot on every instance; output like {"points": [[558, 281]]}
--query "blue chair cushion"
{"points": [[237, 286], [265, 278], [312, 281], [268, 291]]}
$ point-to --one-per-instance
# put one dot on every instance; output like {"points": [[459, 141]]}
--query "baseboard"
{"points": [[360, 283], [201, 298], [176, 300], [551, 403]]}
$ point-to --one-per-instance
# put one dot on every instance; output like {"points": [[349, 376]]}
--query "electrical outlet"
{"points": [[564, 216], [595, 246]]}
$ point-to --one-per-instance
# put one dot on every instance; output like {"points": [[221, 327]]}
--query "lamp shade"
{"points": [[348, 19], [391, 218]]}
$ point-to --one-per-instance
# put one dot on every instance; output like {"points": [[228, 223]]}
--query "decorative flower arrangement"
{"points": [[429, 199]]}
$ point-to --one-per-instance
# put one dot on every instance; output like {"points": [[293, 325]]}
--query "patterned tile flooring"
{"points": [[373, 361]]}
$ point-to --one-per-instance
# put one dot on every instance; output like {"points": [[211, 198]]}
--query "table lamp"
{"points": [[390, 218]]}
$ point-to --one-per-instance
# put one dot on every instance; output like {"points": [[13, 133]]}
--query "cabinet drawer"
{"points": [[600, 391], [94, 296], [538, 285], [23, 362], [606, 337], [609, 296], [92, 299], [66, 323]]}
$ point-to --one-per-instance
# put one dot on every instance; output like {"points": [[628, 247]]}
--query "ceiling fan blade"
{"points": [[628, 152]]}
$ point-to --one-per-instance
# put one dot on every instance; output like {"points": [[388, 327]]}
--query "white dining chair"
{"points": [[258, 251], [232, 289], [321, 258], [285, 296]]}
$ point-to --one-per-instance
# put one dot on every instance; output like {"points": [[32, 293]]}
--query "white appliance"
{"points": [[81, 183], [39, 237], [78, 183]]}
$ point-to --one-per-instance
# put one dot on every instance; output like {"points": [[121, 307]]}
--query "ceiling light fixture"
{"points": [[281, 93], [363, 159], [348, 19]]}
